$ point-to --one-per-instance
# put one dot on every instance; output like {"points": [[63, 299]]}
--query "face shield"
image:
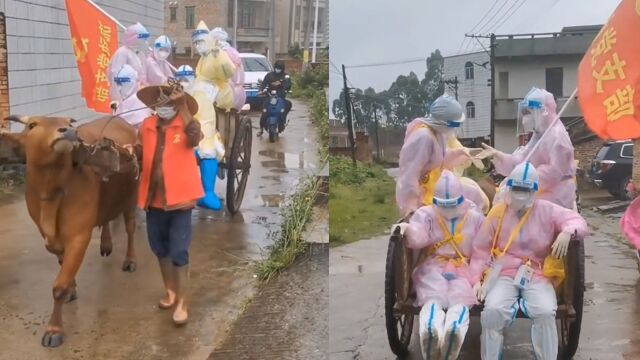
{"points": [[449, 208], [124, 84], [522, 186]]}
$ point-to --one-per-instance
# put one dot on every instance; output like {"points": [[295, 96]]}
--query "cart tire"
{"points": [[578, 302], [239, 165], [398, 328]]}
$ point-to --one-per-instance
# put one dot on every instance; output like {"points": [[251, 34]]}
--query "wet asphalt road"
{"points": [[610, 327], [115, 316]]}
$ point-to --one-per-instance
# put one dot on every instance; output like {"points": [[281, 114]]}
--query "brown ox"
{"points": [[68, 195]]}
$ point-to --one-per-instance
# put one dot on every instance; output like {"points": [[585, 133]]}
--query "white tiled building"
{"points": [[43, 79], [472, 72]]}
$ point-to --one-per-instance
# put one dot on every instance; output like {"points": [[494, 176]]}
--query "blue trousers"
{"points": [[169, 234]]}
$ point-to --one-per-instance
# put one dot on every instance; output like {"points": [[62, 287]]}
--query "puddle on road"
{"points": [[284, 160], [273, 178], [272, 200]]}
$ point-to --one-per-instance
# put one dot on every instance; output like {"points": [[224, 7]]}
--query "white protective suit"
{"points": [[157, 67], [132, 53], [554, 158], [524, 229], [126, 83], [424, 155], [443, 279]]}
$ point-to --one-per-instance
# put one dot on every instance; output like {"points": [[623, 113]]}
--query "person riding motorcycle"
{"points": [[279, 81]]}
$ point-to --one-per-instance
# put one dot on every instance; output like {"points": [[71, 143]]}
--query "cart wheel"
{"points": [[570, 331], [239, 164], [396, 292]]}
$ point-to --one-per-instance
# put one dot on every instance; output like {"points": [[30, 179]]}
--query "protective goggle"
{"points": [[530, 104], [198, 34], [121, 80], [448, 203], [162, 45], [186, 73], [453, 124], [522, 185], [144, 36]]}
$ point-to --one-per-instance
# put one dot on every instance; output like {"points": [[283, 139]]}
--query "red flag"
{"points": [[609, 76], [94, 36]]}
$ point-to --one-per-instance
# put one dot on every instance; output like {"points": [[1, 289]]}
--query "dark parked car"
{"points": [[612, 166]]}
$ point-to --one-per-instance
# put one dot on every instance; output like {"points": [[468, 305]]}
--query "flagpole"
{"points": [[122, 26]]}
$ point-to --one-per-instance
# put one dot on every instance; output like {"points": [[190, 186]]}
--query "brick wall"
{"points": [[585, 151], [4, 73], [215, 13]]}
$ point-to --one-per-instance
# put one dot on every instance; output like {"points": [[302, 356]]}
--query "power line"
{"points": [[510, 15], [476, 25], [483, 27], [387, 63], [491, 28]]}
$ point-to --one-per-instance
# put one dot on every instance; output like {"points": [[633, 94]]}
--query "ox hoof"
{"points": [[129, 266], [52, 338], [105, 250]]}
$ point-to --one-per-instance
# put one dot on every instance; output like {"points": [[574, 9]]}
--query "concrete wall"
{"points": [[474, 90], [530, 71], [43, 78]]}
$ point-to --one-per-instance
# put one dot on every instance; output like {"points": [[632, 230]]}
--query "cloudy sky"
{"points": [[379, 31]]}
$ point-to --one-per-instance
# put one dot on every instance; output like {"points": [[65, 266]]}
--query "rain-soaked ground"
{"points": [[116, 316], [610, 326]]}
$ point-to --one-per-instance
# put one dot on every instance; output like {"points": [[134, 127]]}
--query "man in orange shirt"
{"points": [[170, 186]]}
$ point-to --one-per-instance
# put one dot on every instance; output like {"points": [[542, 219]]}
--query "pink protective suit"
{"points": [[546, 220], [554, 158], [424, 231], [237, 81], [130, 108], [127, 54], [423, 151], [630, 223], [158, 71]]}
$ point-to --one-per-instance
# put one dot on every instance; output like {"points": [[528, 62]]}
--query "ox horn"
{"points": [[17, 118]]}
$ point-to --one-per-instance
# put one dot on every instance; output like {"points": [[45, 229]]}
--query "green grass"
{"points": [[288, 242], [361, 201]]}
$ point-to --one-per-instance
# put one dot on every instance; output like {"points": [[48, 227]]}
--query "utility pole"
{"points": [[307, 32], [315, 34], [492, 46], [272, 42], [375, 114], [235, 24], [347, 105]]}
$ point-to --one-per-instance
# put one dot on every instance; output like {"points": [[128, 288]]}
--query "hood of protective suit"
{"points": [[220, 34], [549, 104], [126, 89], [445, 114], [130, 36], [448, 196]]}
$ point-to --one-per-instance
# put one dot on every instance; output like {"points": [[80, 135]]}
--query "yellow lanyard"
{"points": [[452, 240], [496, 253]]}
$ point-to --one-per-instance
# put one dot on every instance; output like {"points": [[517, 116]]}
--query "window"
{"points": [[468, 70], [503, 85], [246, 17], [554, 81], [252, 64], [471, 110], [627, 150], [173, 14], [191, 17]]}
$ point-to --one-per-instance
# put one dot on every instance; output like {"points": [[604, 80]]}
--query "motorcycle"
{"points": [[274, 111]]}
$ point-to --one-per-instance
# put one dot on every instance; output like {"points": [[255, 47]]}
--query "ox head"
{"points": [[44, 140]]}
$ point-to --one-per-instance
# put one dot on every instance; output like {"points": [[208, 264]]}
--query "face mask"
{"points": [[125, 89], [449, 213], [202, 48], [278, 71], [185, 84], [162, 54], [166, 112], [528, 123], [519, 200]]}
